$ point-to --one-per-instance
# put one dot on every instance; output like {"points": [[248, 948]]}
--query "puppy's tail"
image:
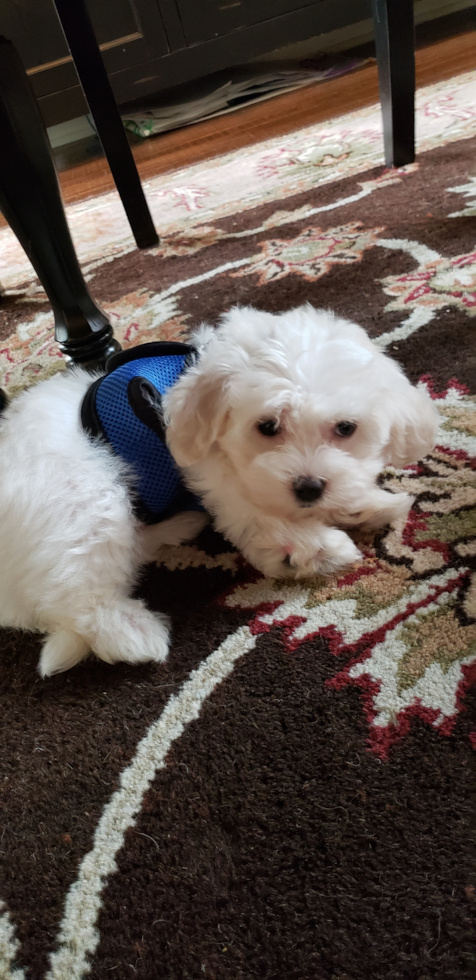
{"points": [[62, 650]]}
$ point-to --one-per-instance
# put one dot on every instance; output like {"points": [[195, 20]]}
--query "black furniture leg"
{"points": [[92, 74], [395, 45], [30, 200]]}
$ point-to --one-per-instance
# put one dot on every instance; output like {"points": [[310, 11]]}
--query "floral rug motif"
{"points": [[289, 796]]}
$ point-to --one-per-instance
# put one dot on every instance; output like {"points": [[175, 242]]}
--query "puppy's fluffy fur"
{"points": [[282, 427]]}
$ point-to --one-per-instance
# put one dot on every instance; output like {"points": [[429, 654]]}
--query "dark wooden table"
{"points": [[30, 197]]}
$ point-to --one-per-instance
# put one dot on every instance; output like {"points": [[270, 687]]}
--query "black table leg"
{"points": [[31, 202], [92, 74], [395, 44]]}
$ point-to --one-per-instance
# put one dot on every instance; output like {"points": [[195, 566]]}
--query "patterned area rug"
{"points": [[289, 797]]}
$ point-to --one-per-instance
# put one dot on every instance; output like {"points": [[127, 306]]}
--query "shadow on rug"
{"points": [[288, 798]]}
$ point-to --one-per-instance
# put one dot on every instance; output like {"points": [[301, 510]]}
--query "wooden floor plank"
{"points": [[265, 120]]}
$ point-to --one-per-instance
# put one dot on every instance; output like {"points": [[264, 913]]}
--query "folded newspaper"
{"points": [[226, 91]]}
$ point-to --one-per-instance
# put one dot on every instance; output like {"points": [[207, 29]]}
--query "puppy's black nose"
{"points": [[308, 490]]}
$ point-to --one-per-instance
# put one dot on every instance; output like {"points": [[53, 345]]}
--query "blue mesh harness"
{"points": [[125, 408]]}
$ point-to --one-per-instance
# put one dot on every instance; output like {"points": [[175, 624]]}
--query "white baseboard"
{"points": [[70, 131]]}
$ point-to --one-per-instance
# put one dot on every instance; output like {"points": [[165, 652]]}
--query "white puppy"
{"points": [[281, 427]]}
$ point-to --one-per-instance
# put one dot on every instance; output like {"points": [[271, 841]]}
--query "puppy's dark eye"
{"points": [[270, 427], [345, 429]]}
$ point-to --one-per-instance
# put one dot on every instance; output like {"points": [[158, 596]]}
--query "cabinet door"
{"points": [[203, 20], [129, 32]]}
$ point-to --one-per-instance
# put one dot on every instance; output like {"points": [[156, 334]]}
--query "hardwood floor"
{"points": [[276, 117], [265, 120]]}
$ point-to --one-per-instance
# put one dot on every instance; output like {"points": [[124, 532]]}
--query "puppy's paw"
{"points": [[335, 551], [394, 507], [320, 553], [338, 551], [182, 527]]}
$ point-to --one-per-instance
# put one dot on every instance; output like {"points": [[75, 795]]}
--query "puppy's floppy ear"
{"points": [[196, 412], [413, 425]]}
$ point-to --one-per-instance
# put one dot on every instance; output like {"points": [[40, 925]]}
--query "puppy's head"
{"points": [[301, 407]]}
